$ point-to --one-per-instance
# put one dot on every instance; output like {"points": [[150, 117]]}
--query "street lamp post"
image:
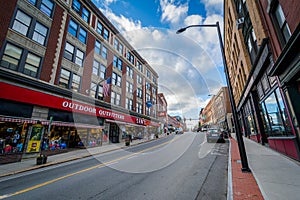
{"points": [[245, 166]]}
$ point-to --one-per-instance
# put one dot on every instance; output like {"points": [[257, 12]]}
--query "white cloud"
{"points": [[213, 6], [187, 64], [172, 13]]}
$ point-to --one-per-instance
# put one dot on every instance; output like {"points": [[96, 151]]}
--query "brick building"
{"points": [[67, 75], [260, 37]]}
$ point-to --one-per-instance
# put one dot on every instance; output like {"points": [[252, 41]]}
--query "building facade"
{"points": [[263, 113], [68, 78], [162, 111]]}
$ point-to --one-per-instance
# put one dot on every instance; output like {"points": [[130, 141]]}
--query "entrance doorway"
{"points": [[114, 133]]}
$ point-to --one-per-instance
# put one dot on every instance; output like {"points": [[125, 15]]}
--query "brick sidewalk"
{"points": [[244, 185]]}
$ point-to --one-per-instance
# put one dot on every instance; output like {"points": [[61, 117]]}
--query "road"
{"points": [[176, 167]]}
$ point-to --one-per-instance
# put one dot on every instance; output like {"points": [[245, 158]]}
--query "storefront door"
{"points": [[114, 133]]}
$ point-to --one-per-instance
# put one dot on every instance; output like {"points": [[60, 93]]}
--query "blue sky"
{"points": [[189, 65]]}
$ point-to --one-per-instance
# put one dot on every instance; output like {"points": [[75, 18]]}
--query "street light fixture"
{"points": [[245, 167]]}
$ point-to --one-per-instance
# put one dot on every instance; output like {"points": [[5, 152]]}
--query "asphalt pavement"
{"points": [[273, 176]]}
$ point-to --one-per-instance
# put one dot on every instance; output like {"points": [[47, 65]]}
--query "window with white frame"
{"points": [[139, 108], [148, 86], [129, 87], [139, 79], [129, 71], [98, 47], [139, 93], [129, 104], [139, 66]]}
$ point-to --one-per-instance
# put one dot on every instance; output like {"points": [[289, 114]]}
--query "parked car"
{"points": [[214, 135], [178, 131]]}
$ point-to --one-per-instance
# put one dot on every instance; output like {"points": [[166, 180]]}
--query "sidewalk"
{"points": [[274, 176]]}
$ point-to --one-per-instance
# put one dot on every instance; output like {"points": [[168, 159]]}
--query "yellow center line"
{"points": [[84, 170]]}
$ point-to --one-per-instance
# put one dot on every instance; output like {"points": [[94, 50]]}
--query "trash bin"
{"points": [[127, 140], [41, 159]]}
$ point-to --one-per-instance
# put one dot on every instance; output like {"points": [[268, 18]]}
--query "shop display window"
{"points": [[12, 137]]}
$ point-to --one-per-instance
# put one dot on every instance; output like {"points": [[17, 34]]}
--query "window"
{"points": [[13, 56], [139, 108], [102, 71], [93, 90], [148, 111], [116, 79], [85, 14], [154, 79], [148, 74], [32, 65], [99, 28], [30, 27], [115, 98], [76, 83], [284, 32], [69, 80], [148, 86], [79, 58], [118, 46], [129, 72], [96, 67], [104, 52], [105, 34], [40, 33], [139, 93], [129, 87], [252, 45], [117, 62], [99, 69], [118, 99], [74, 54], [97, 47], [77, 31], [148, 97], [130, 57], [46, 6], [139, 79], [64, 78], [275, 115], [153, 90], [81, 10], [69, 51], [139, 66], [21, 23], [129, 104]]}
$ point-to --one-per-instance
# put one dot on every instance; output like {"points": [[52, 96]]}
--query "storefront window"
{"points": [[275, 116], [12, 137], [284, 111]]}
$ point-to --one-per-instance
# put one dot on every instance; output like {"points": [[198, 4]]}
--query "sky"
{"points": [[189, 65]]}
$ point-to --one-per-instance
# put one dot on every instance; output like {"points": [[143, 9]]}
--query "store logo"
{"points": [[75, 106]]}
